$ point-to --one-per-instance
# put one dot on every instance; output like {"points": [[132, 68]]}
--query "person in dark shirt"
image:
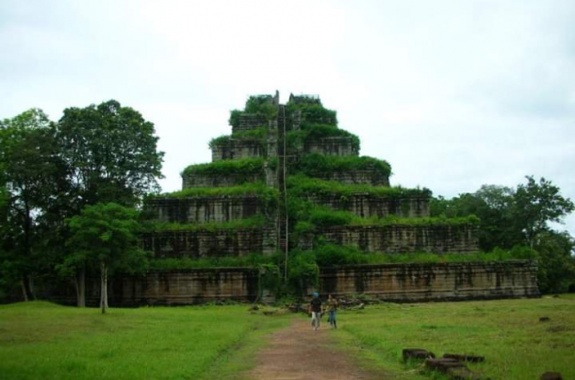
{"points": [[315, 310]]}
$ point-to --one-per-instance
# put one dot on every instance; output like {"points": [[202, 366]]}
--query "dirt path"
{"points": [[298, 352]]}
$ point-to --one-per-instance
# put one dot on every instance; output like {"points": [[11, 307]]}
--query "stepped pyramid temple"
{"points": [[289, 185]]}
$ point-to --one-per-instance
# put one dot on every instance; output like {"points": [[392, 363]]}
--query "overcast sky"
{"points": [[453, 94]]}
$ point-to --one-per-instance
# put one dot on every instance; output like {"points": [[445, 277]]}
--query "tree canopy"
{"points": [[30, 163], [521, 217], [111, 153], [536, 204], [106, 235], [50, 171]]}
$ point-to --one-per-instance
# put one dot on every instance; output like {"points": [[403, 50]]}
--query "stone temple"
{"points": [[286, 181], [278, 158]]}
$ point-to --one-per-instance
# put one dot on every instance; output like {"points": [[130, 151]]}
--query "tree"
{"points": [[556, 261], [496, 227], [29, 166], [111, 152], [4, 263], [509, 216], [514, 219], [492, 205], [106, 234], [536, 204], [111, 156]]}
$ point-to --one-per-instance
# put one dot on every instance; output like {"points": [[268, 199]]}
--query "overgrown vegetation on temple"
{"points": [[286, 193]]}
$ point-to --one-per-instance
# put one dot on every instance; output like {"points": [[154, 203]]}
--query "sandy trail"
{"points": [[298, 352]]}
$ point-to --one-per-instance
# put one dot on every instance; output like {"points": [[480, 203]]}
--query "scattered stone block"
{"points": [[551, 376], [453, 368], [465, 358], [416, 353], [462, 373], [443, 364]]}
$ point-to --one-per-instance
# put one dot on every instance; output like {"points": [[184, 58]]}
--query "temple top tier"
{"points": [[263, 110], [301, 135], [308, 127]]}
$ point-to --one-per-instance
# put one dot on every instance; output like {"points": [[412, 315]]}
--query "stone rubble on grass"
{"points": [[450, 364]]}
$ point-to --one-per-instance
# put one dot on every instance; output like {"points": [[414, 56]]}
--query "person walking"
{"points": [[332, 305], [315, 309]]}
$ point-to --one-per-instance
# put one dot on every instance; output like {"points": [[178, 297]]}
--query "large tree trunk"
{"points": [[23, 286], [103, 287], [31, 289], [27, 286], [80, 283]]}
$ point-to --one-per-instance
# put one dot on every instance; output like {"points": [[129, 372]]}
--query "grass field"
{"points": [[39, 340], [508, 333]]}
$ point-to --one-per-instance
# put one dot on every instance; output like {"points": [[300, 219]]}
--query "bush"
{"points": [[313, 132], [523, 252], [313, 113], [323, 218], [330, 255], [253, 260], [261, 105], [219, 141], [316, 165], [234, 119], [303, 271], [252, 188], [257, 221], [303, 185], [247, 167]]}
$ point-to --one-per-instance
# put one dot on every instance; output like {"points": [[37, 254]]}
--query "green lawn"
{"points": [[508, 333], [39, 340]]}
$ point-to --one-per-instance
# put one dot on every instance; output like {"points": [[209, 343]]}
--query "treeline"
{"points": [[69, 194], [521, 219]]}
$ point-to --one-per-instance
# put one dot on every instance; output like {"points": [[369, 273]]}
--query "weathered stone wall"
{"points": [[187, 287], [370, 205], [229, 208], [271, 176], [406, 238], [204, 209], [434, 282], [211, 242], [332, 146], [250, 122], [218, 180], [238, 149], [387, 282], [361, 177]]}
